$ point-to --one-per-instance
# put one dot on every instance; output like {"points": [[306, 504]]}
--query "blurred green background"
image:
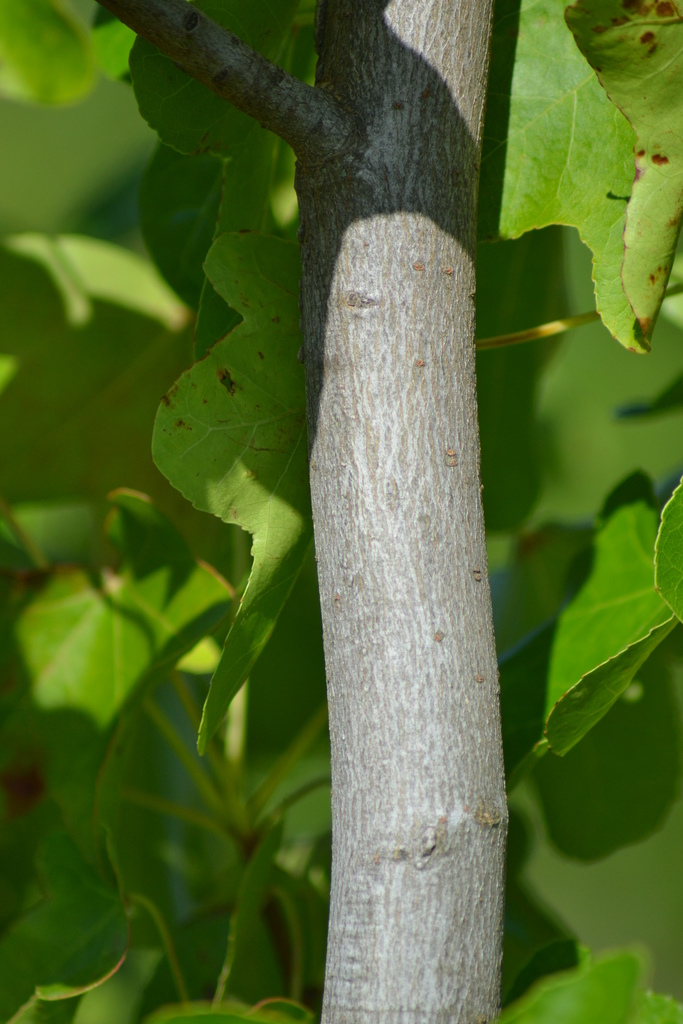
{"points": [[77, 169]]}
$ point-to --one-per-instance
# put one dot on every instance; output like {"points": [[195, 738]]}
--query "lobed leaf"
{"points": [[231, 436], [636, 50], [245, 206], [585, 703], [559, 681], [87, 645]]}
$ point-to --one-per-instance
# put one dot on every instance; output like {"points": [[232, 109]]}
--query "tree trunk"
{"points": [[388, 151], [388, 254]]}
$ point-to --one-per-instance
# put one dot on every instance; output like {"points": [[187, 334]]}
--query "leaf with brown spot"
{"points": [[639, 61]]}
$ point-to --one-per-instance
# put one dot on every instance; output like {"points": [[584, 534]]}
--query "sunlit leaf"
{"points": [[71, 941], [541, 164], [231, 435], [86, 644], [637, 51], [45, 52]]}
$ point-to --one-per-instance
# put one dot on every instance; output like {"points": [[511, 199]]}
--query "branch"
{"points": [[309, 119]]}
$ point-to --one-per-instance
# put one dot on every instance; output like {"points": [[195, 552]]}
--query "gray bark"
{"points": [[388, 246], [387, 182]]}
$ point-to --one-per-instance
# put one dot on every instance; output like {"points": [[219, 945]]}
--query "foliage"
{"points": [[117, 837]]}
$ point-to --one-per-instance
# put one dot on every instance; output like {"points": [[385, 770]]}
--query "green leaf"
{"points": [[87, 271], [582, 707], [45, 52], [541, 164], [270, 1011], [669, 553], [61, 1012], [87, 645], [244, 925], [70, 942], [245, 205], [561, 955], [231, 436], [599, 797], [179, 200], [186, 114], [186, 200], [196, 1013], [112, 42], [655, 1009], [595, 993], [609, 629], [93, 353], [61, 531], [637, 53]]}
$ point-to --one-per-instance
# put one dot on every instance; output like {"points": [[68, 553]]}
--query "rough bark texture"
{"points": [[388, 243]]}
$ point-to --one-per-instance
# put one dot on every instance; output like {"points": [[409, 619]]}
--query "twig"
{"points": [[553, 327]]}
